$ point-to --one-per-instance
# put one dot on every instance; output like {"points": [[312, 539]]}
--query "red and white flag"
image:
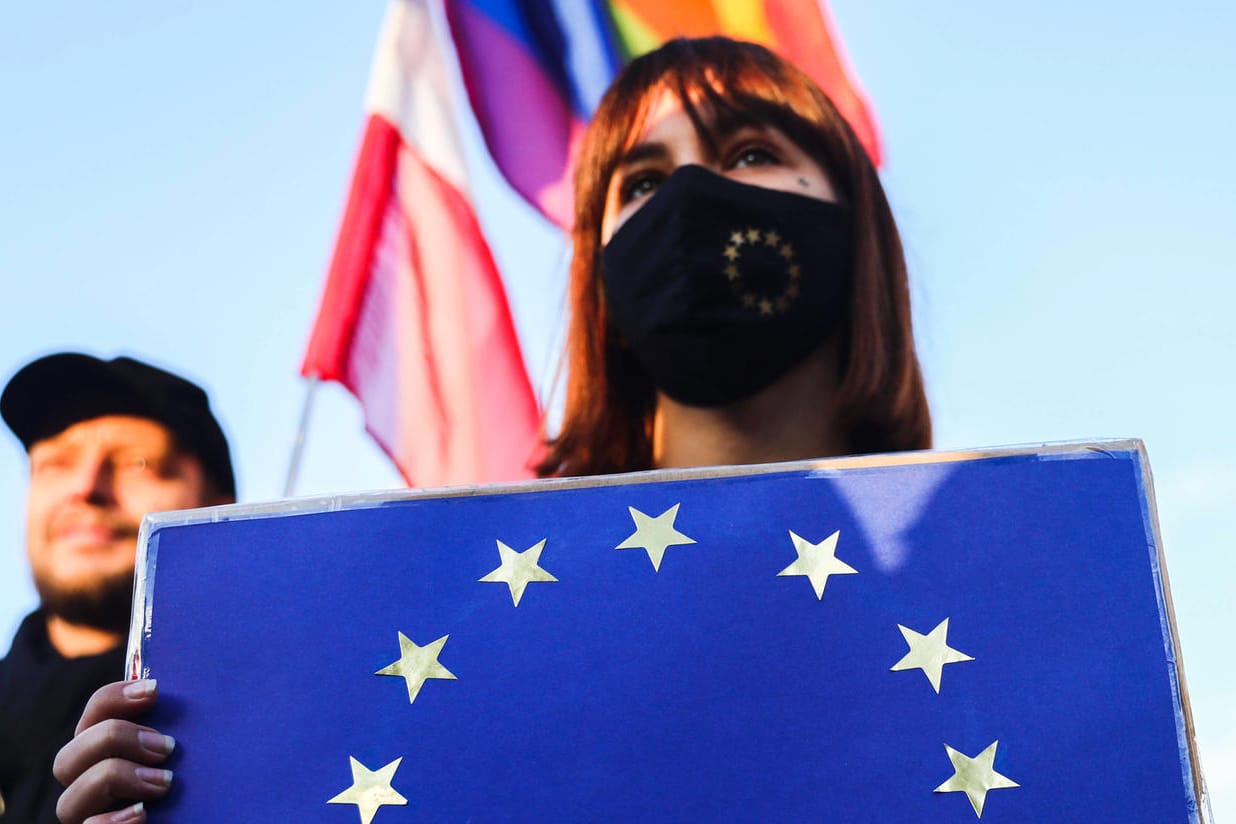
{"points": [[414, 320]]}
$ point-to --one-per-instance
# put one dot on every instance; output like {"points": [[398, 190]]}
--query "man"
{"points": [[108, 441]]}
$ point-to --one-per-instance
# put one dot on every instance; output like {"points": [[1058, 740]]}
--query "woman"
{"points": [[738, 294], [683, 373]]}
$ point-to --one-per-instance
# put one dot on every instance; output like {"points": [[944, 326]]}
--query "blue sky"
{"points": [[1062, 174]]}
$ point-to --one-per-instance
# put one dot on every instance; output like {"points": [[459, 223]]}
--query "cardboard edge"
{"points": [[824, 466], [143, 594], [1188, 743]]}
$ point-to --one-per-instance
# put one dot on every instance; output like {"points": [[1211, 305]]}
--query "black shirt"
{"points": [[41, 698]]}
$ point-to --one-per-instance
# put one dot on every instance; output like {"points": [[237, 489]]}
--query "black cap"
{"points": [[52, 393]]}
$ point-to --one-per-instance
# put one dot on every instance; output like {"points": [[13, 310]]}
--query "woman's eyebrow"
{"points": [[641, 152], [727, 123]]}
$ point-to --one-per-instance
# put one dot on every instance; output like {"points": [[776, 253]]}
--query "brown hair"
{"points": [[607, 421]]}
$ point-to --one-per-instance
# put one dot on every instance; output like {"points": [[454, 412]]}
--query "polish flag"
{"points": [[414, 319]]}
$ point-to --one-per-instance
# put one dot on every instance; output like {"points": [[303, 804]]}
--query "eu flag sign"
{"points": [[922, 637]]}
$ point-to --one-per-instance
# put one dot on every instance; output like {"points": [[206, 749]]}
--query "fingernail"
{"points": [[156, 742], [129, 815], [155, 778], [140, 689]]}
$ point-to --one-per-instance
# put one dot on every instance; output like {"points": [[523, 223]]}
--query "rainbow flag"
{"points": [[535, 69], [798, 30], [533, 76]]}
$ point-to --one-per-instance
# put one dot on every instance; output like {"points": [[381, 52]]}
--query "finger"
{"points": [[113, 738], [135, 814], [121, 699], [111, 785]]}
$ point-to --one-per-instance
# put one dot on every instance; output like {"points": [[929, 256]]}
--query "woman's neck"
{"points": [[791, 419]]}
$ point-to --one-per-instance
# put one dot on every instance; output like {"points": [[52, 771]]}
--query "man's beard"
{"points": [[103, 605]]}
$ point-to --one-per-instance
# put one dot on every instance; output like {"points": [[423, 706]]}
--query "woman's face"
{"points": [[755, 154]]}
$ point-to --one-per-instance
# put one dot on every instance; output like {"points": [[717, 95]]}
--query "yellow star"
{"points": [[771, 238], [655, 534], [975, 776], [794, 271], [753, 235], [765, 306], [786, 251], [748, 300], [416, 665], [370, 789], [731, 252], [518, 569], [817, 562], [737, 238], [731, 271], [929, 653]]}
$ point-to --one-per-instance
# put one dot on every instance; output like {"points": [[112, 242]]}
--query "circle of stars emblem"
{"points": [[974, 776], [767, 302]]}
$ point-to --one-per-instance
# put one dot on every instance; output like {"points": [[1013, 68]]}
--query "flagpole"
{"points": [[298, 446]]}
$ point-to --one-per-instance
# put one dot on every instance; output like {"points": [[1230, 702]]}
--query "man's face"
{"points": [[90, 485]]}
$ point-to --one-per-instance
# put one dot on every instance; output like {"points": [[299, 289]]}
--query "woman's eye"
{"points": [[637, 186], [753, 156]]}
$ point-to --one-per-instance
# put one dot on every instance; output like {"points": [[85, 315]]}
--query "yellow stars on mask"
{"points": [[416, 665], [518, 569], [761, 297], [370, 789], [975, 776], [817, 561], [929, 653], [655, 535]]}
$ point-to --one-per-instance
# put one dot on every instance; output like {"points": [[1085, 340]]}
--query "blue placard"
{"points": [[904, 638]]}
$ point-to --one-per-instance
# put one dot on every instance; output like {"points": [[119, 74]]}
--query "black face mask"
{"points": [[720, 288]]}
